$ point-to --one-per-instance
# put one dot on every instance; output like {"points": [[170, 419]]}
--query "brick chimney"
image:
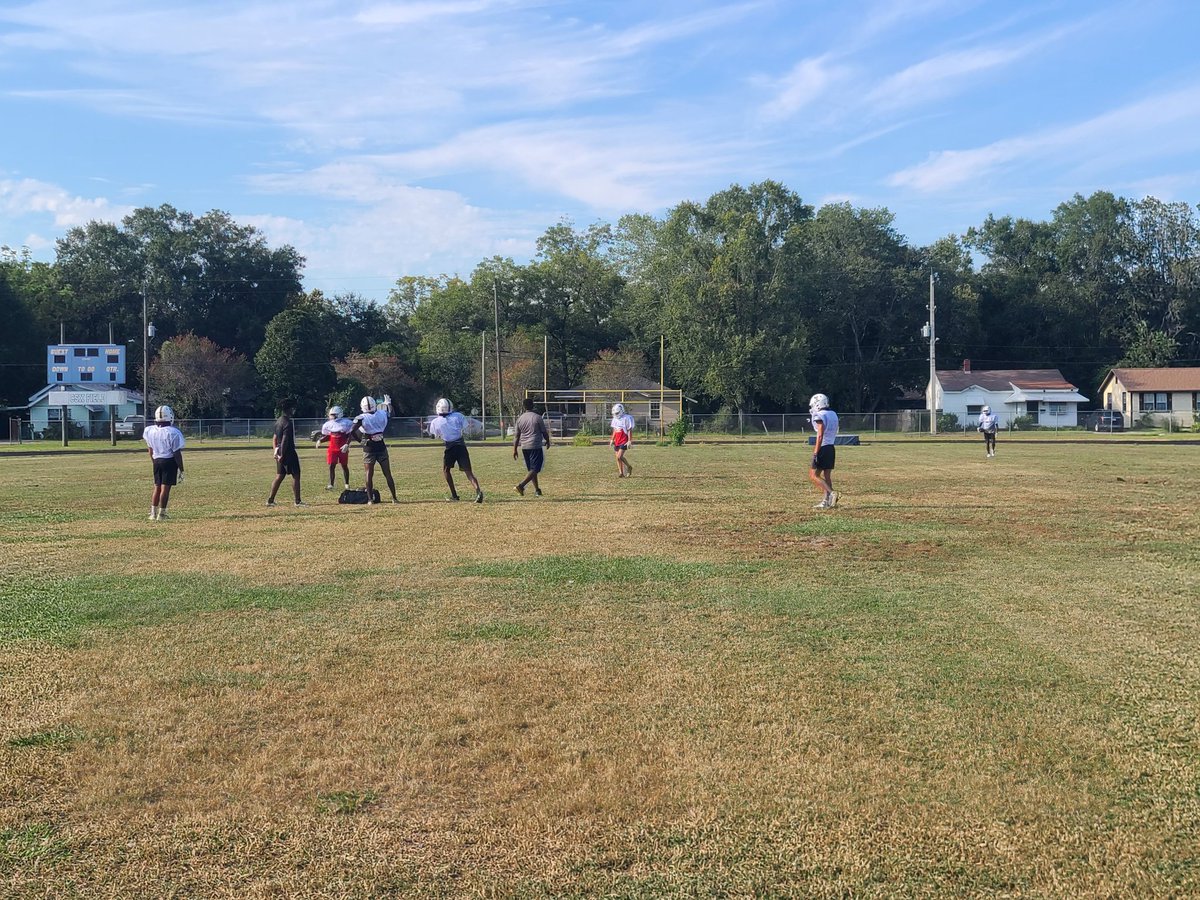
{"points": [[967, 366]]}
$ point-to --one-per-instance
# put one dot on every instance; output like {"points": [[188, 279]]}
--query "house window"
{"points": [[1153, 401], [1056, 409], [974, 409], [655, 410], [1196, 401]]}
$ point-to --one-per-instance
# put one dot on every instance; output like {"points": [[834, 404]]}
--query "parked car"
{"points": [[131, 427], [1109, 420]]}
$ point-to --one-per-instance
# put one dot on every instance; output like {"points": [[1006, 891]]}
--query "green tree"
{"points": [[28, 295], [731, 319], [569, 294], [866, 293], [198, 378], [208, 276], [294, 360]]}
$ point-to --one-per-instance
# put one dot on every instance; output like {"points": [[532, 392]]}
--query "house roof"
{"points": [[1003, 380], [1179, 379]]}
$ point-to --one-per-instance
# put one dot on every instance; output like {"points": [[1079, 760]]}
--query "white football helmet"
{"points": [[443, 407], [164, 414], [618, 409], [818, 401], [987, 410], [335, 412], [367, 404]]}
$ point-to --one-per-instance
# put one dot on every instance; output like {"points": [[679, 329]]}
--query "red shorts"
{"points": [[338, 450]]}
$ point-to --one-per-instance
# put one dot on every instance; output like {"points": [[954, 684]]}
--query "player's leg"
{"points": [[296, 487], [465, 464], [386, 467], [275, 487], [345, 470], [448, 474], [369, 466], [332, 473]]}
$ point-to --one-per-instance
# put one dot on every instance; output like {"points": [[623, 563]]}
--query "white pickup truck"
{"points": [[131, 427]]}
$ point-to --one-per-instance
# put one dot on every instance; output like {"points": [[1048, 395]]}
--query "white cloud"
{"points": [[807, 82], [30, 198], [1155, 127]]}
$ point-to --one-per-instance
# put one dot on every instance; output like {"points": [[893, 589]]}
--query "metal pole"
{"points": [[483, 380], [932, 360], [545, 368], [662, 374], [499, 375], [145, 358]]}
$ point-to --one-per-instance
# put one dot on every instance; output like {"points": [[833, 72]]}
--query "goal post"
{"points": [[567, 412]]}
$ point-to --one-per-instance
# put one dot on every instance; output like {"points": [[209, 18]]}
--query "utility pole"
{"points": [[932, 359], [662, 385], [499, 376], [483, 380], [145, 357]]}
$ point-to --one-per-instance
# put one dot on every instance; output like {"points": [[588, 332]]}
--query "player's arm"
{"points": [[820, 437]]}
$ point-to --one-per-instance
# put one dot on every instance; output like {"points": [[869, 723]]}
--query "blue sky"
{"points": [[392, 138]]}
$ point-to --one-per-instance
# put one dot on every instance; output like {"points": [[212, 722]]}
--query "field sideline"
{"points": [[975, 678]]}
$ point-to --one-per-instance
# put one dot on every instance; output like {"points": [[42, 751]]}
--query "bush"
{"points": [[582, 439], [1022, 423], [678, 431], [948, 422]]}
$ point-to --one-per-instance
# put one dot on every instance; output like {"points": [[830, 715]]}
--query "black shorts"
{"points": [[824, 458], [288, 464], [456, 454], [535, 458], [374, 451], [166, 471], [989, 437]]}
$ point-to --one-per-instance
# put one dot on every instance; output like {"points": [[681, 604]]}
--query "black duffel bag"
{"points": [[354, 495]]}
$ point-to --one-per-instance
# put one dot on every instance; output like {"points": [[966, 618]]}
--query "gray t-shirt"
{"points": [[530, 431]]}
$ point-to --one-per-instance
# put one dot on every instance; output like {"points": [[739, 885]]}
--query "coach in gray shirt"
{"points": [[531, 436]]}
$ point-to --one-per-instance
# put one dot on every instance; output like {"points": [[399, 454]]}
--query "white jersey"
{"points": [[372, 423], [451, 426], [623, 422], [164, 441], [337, 426], [829, 417], [988, 422]]}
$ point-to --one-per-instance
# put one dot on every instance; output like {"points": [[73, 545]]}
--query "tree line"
{"points": [[757, 298]]}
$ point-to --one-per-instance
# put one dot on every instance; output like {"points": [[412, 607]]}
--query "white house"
{"points": [[1041, 394], [88, 406]]}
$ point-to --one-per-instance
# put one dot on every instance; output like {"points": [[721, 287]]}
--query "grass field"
{"points": [[975, 678]]}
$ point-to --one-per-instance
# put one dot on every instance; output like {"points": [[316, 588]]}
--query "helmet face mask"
{"points": [[335, 412], [367, 404], [818, 401], [443, 407], [618, 409], [987, 410], [164, 414]]}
